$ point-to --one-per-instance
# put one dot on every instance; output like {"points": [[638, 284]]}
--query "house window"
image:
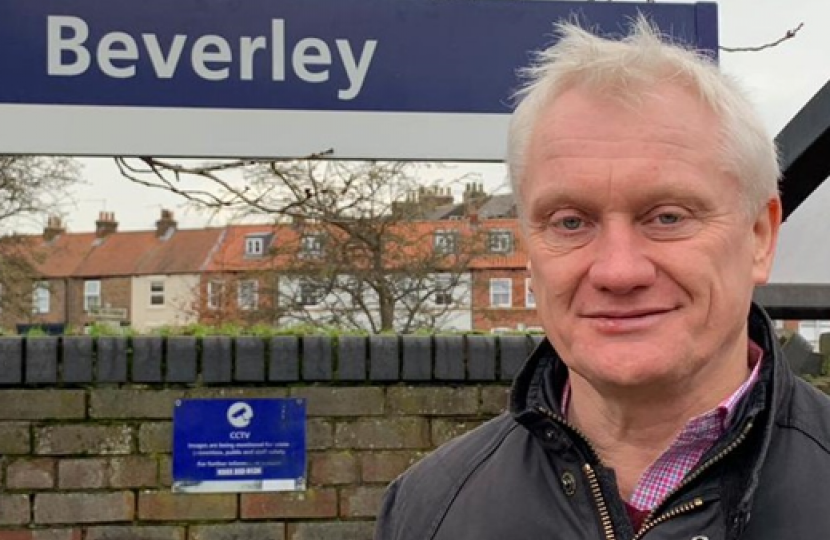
{"points": [[248, 294], [500, 241], [156, 293], [40, 298], [443, 290], [254, 246], [445, 242], [215, 294], [92, 295], [311, 294], [311, 245], [501, 292], [530, 298], [812, 331]]}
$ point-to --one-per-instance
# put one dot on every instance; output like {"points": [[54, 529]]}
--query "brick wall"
{"points": [[85, 428], [517, 316]]}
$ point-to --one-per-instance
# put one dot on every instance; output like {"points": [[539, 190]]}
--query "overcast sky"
{"points": [[780, 81]]}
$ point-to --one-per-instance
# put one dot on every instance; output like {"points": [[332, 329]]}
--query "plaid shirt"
{"points": [[696, 438]]}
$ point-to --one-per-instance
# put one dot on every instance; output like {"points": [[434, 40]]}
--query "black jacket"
{"points": [[527, 475]]}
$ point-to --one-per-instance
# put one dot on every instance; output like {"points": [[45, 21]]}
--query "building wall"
{"points": [[227, 308], [180, 296], [115, 293], [518, 316], [16, 305], [454, 317]]}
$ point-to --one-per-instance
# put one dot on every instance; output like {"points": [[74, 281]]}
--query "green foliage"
{"points": [[36, 332]]}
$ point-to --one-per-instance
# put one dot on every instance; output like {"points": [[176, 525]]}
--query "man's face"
{"points": [[642, 255]]}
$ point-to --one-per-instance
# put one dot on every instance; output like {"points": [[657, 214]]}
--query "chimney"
{"points": [[54, 228], [166, 225], [106, 224]]}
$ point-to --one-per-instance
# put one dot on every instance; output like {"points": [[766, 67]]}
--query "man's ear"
{"points": [[765, 233]]}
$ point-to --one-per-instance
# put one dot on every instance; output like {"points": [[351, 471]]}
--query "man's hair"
{"points": [[630, 68]]}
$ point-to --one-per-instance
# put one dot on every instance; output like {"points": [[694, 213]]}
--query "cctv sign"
{"points": [[232, 446], [403, 79]]}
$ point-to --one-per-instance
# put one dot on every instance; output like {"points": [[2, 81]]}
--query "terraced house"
{"points": [[462, 268]]}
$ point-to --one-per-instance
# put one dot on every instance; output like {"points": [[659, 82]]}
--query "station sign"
{"points": [[239, 445], [408, 79]]}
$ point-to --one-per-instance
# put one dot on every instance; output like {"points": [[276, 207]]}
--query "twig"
{"points": [[789, 35]]}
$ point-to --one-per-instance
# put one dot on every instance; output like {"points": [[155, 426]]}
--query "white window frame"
{"points": [[215, 294], [530, 298], [311, 245], [500, 241], [41, 298], [443, 295], [92, 294], [495, 301], [445, 242], [254, 246], [310, 294], [244, 303], [157, 292]]}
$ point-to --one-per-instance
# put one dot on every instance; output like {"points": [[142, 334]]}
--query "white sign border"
{"points": [[247, 133]]}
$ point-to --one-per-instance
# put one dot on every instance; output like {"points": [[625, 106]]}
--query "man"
{"points": [[659, 407]]}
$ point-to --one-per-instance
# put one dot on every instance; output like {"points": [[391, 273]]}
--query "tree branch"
{"points": [[789, 35]]}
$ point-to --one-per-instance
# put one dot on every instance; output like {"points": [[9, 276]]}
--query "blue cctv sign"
{"points": [[230, 445], [371, 68]]}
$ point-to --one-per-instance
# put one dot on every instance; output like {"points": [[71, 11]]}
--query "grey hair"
{"points": [[630, 67]]}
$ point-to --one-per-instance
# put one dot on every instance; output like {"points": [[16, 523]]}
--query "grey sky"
{"points": [[780, 81]]}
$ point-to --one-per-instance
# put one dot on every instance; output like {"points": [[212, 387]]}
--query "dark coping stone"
{"points": [[111, 359], [250, 359], [513, 353], [147, 359], [181, 359], [285, 359], [481, 358], [384, 363], [351, 358], [11, 360], [77, 359], [417, 358], [449, 358], [317, 358], [217, 362], [42, 360]]}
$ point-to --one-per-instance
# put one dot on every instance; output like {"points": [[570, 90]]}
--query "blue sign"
{"points": [[389, 72], [230, 445]]}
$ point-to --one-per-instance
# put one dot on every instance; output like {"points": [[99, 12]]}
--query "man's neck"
{"points": [[631, 428]]}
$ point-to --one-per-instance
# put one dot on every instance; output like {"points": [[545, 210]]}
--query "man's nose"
{"points": [[620, 262]]}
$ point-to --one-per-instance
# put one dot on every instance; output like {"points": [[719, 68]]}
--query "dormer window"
{"points": [[256, 245], [445, 242], [311, 245], [500, 242]]}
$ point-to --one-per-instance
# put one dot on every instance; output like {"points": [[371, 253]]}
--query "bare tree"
{"points": [[352, 246], [31, 187]]}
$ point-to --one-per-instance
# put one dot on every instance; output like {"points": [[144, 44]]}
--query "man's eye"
{"points": [[669, 219], [571, 223]]}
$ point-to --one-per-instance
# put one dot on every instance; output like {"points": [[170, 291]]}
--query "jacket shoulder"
{"points": [[417, 501], [809, 413]]}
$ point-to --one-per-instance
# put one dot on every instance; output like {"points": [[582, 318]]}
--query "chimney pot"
{"points": [[106, 224]]}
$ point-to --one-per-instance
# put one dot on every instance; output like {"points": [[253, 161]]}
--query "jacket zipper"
{"points": [[602, 508], [651, 521], [596, 491]]}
